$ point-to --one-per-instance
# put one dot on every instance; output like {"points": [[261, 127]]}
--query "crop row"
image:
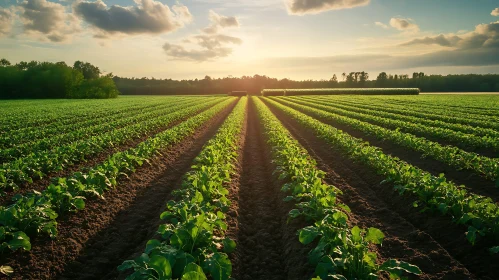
{"points": [[445, 115], [453, 156], [443, 108], [341, 251], [43, 113], [333, 91], [37, 165], [89, 129], [479, 213], [480, 103], [13, 139], [36, 213], [382, 110], [193, 245]]}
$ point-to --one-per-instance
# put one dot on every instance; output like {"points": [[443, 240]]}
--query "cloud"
{"points": [[403, 24], [484, 36], [382, 25], [302, 7], [219, 22], [441, 40], [495, 12], [6, 17], [179, 52], [216, 41], [41, 17], [210, 45], [148, 16]]}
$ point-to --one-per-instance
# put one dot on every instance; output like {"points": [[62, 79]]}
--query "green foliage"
{"points": [[453, 156], [97, 88], [54, 80], [36, 213], [480, 214], [195, 222], [36, 163], [340, 252], [88, 70]]}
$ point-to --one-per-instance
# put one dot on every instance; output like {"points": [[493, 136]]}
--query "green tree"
{"points": [[88, 70], [4, 62]]}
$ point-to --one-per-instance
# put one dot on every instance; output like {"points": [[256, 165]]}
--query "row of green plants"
{"points": [[434, 193], [448, 115], [341, 251], [463, 104], [30, 134], [336, 91], [461, 131], [36, 213], [450, 155], [82, 131], [192, 242], [40, 163], [26, 114]]}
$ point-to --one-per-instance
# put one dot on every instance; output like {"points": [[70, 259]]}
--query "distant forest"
{"points": [[54, 80], [254, 84]]}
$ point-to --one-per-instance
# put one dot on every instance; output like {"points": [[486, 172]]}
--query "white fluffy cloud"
{"points": [[208, 46], [484, 36], [495, 12], [148, 16], [302, 7], [219, 22], [403, 24], [6, 18], [382, 25], [49, 19], [180, 52]]}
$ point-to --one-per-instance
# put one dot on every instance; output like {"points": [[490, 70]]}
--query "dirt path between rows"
{"points": [[268, 248], [433, 243], [93, 242]]}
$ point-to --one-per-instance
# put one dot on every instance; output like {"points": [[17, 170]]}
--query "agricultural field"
{"points": [[300, 186]]}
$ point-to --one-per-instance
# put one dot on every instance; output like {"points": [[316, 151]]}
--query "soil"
{"points": [[93, 242], [41, 184], [427, 240], [268, 247]]}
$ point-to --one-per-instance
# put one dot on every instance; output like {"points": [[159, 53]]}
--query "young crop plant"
{"points": [[193, 245], [35, 213], [480, 214], [341, 251]]}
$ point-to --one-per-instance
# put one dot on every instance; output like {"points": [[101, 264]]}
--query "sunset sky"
{"points": [[298, 39]]}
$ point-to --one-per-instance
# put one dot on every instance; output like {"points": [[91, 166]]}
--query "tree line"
{"points": [[54, 80], [254, 84]]}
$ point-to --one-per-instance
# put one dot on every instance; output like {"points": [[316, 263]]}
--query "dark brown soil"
{"points": [[428, 240], [41, 184], [473, 182], [268, 248], [93, 242]]}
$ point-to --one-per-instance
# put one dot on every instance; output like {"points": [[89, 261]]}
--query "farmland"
{"points": [[258, 187]]}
